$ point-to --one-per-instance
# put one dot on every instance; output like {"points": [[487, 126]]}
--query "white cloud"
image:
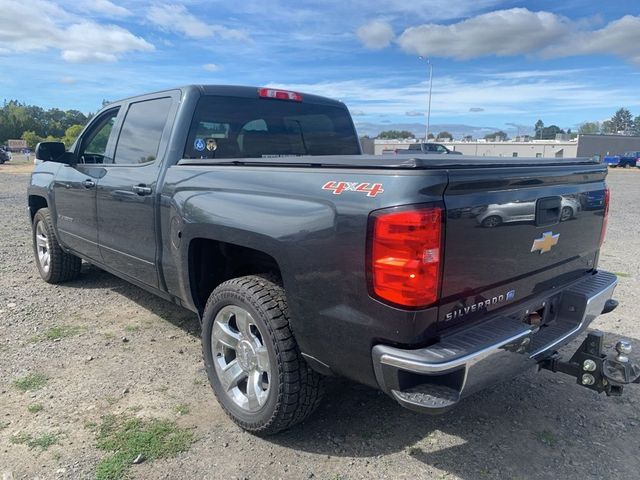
{"points": [[177, 19], [211, 67], [78, 40], [414, 113], [502, 32], [105, 7], [476, 109], [67, 80], [375, 35], [516, 31]]}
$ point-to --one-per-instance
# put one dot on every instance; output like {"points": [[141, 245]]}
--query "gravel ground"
{"points": [[537, 426]]}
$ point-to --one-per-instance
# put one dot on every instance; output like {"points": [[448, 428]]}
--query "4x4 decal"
{"points": [[371, 189]]}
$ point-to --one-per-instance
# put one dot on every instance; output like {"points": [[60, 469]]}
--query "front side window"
{"points": [[94, 144], [141, 132], [239, 127]]}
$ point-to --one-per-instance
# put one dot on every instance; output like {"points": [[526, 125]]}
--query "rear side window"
{"points": [[238, 127], [141, 132]]}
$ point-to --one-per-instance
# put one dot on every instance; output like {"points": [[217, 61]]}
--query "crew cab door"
{"points": [[74, 187], [127, 192]]}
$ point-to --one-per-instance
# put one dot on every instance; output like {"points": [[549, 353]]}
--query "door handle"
{"points": [[142, 189], [89, 183]]}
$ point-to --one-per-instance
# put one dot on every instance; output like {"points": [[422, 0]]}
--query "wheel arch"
{"points": [[36, 202]]}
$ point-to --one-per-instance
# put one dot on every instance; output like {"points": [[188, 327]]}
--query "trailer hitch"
{"points": [[595, 370]]}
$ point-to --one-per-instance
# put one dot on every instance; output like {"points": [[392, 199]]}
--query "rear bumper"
{"points": [[435, 378]]}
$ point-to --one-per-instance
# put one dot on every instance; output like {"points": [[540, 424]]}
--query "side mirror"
{"points": [[52, 152]]}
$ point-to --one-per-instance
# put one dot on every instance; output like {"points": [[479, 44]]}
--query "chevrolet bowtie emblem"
{"points": [[545, 243]]}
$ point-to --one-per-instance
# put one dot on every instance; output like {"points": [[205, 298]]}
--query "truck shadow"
{"points": [[93, 277], [538, 425]]}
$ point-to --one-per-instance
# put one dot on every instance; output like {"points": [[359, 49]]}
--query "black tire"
{"points": [[627, 165], [491, 221], [566, 214], [294, 389], [61, 266]]}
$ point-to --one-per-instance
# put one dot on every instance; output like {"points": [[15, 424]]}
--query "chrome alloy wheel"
{"points": [[42, 247], [240, 358]]}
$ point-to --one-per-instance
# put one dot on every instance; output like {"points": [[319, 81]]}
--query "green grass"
{"points": [[132, 328], [623, 274], [58, 332], [35, 408], [33, 381], [547, 437], [3, 425], [126, 438], [43, 441], [183, 409], [413, 451]]}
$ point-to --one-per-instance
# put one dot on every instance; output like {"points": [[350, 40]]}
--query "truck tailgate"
{"points": [[515, 232]]}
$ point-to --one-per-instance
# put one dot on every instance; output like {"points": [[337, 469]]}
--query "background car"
{"points": [[5, 155], [499, 213], [624, 160]]}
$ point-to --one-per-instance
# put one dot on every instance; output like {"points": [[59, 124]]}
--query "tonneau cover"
{"points": [[391, 161]]}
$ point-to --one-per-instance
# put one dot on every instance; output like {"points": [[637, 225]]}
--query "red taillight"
{"points": [[607, 197], [405, 255], [279, 94]]}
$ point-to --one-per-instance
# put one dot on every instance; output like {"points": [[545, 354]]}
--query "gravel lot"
{"points": [[537, 426]]}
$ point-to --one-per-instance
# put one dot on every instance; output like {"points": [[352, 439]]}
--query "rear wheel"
{"points": [[252, 360], [54, 265], [491, 221]]}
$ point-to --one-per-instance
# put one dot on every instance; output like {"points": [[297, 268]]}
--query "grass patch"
{"points": [[127, 438], [413, 451], [58, 332], [183, 409], [622, 274], [35, 408], [132, 328], [547, 437], [33, 381], [3, 425], [43, 441]]}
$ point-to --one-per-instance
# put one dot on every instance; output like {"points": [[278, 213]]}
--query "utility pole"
{"points": [[426, 135]]}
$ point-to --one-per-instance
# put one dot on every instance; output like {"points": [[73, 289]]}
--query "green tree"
{"points": [[636, 125], [32, 138], [550, 132], [538, 128], [607, 127], [589, 128], [430, 136], [622, 121], [498, 136], [395, 134], [71, 134], [445, 134]]}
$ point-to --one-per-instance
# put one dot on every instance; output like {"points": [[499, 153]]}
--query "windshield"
{"points": [[236, 127]]}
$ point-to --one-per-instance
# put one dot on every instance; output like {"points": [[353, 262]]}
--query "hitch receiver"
{"points": [[595, 370]]}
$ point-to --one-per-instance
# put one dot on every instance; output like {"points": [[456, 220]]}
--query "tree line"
{"points": [[35, 124]]}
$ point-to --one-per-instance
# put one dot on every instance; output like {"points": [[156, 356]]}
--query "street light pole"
{"points": [[426, 135]]}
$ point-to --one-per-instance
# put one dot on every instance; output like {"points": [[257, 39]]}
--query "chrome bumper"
{"points": [[433, 379]]}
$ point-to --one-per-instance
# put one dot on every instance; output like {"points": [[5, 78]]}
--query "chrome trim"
{"points": [[497, 349]]}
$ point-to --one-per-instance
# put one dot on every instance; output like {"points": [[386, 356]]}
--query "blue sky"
{"points": [[497, 64]]}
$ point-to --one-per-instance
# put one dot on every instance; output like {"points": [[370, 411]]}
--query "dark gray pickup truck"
{"points": [[254, 208]]}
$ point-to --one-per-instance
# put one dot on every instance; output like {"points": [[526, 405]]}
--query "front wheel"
{"points": [[491, 221], [252, 360], [54, 264]]}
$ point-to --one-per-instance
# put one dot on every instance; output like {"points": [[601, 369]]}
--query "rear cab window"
{"points": [[242, 127]]}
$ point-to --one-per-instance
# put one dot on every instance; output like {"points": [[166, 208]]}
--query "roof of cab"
{"points": [[233, 91]]}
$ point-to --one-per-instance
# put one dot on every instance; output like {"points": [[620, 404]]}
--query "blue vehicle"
{"points": [[626, 160]]}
